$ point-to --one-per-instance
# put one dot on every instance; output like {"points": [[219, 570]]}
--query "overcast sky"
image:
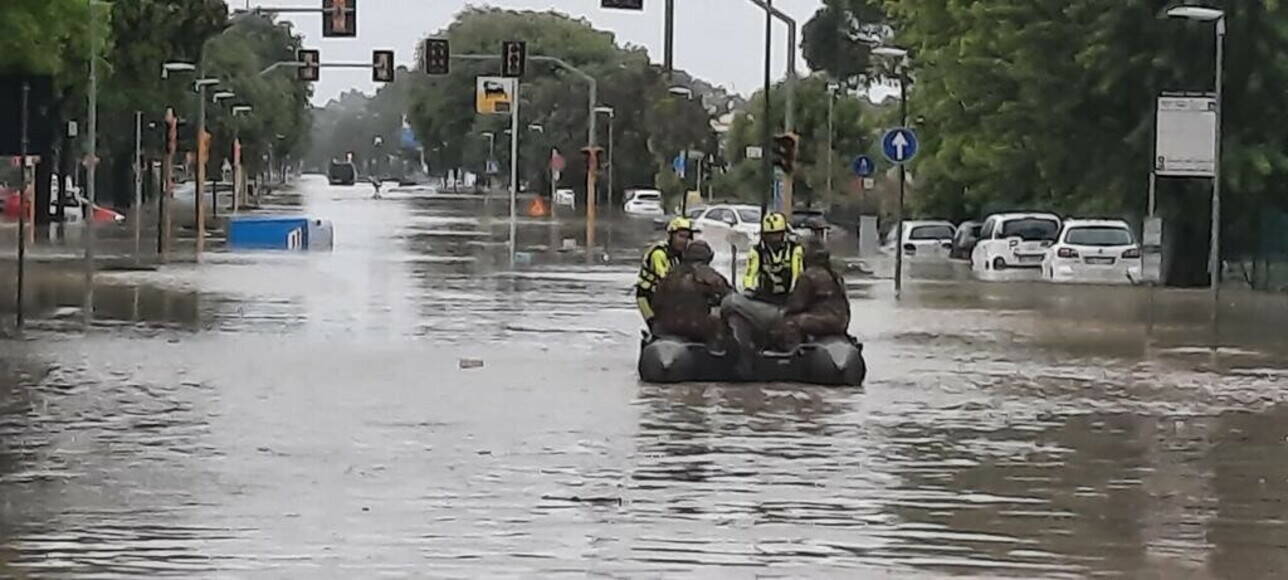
{"points": [[717, 40]]}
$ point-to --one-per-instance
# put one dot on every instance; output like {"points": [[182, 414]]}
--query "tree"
{"points": [[838, 39], [1050, 103], [854, 124]]}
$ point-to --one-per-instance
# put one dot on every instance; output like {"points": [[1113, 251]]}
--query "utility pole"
{"points": [[766, 121], [138, 187], [23, 202], [91, 187], [514, 171]]}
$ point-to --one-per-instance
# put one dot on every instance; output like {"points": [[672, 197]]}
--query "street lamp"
{"points": [[685, 92], [170, 67], [221, 95], [901, 56], [832, 88], [202, 86], [538, 128], [1217, 16], [238, 179]]}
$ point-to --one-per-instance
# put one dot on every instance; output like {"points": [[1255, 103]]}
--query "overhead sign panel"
{"points": [[1185, 136]]}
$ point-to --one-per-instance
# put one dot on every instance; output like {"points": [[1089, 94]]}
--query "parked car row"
{"points": [[1033, 244]]}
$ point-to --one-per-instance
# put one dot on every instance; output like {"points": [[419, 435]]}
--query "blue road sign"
{"points": [[899, 145], [863, 166]]}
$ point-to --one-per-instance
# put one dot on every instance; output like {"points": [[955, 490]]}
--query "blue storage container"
{"points": [[293, 233]]}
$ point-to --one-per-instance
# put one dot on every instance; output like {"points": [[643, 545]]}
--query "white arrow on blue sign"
{"points": [[900, 145], [863, 166]]}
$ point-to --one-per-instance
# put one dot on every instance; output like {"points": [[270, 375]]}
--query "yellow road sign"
{"points": [[494, 95]]}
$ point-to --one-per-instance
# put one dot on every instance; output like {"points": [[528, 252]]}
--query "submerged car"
{"points": [[965, 240], [1014, 241], [1094, 251], [643, 203], [927, 239], [342, 173]]}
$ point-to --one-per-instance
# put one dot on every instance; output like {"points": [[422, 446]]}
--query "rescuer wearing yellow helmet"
{"points": [[659, 260], [774, 264]]}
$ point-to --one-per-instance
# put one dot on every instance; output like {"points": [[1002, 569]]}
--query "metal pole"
{"points": [[903, 176], [22, 208], [165, 235], [1214, 260], [91, 187], [831, 136], [138, 187], [592, 171], [612, 172], [201, 171], [514, 170], [766, 122], [668, 49]]}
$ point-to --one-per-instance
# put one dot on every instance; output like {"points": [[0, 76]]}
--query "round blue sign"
{"points": [[863, 166], [899, 145]]}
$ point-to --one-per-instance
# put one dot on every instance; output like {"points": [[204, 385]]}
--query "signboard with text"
{"points": [[1185, 136]]}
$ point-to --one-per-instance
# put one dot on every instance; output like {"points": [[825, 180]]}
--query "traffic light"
{"points": [[785, 147], [339, 18], [594, 157], [623, 4], [437, 55], [312, 67], [514, 58], [382, 66]]}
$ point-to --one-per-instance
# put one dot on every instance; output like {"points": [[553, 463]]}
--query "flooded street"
{"points": [[310, 415]]}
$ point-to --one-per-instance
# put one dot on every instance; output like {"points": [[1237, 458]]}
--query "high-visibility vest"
{"points": [[772, 274], [654, 268]]}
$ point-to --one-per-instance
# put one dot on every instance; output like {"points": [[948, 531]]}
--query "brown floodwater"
{"points": [[271, 415]]}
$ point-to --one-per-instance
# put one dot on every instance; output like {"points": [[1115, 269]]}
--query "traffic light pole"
{"points": [[514, 171], [766, 123], [591, 140]]}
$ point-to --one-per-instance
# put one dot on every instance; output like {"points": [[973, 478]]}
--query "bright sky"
{"points": [[720, 41]]}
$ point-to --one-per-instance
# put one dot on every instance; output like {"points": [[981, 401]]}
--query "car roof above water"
{"points": [[1117, 223]]}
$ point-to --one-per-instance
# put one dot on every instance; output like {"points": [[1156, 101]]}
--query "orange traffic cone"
{"points": [[538, 208]]}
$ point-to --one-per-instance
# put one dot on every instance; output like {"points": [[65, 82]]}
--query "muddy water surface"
{"points": [[303, 416]]}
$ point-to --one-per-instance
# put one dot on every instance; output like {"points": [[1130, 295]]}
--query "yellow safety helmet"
{"points": [[680, 224], [773, 223]]}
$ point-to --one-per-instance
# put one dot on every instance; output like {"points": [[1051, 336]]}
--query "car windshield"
{"points": [[931, 233], [749, 216], [1031, 229], [1099, 236], [695, 213]]}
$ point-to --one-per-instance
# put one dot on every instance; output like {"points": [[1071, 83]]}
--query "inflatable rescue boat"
{"points": [[829, 361]]}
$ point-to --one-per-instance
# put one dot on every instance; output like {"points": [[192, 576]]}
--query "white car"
{"points": [[1014, 241], [928, 240], [644, 202], [723, 223], [1095, 251]]}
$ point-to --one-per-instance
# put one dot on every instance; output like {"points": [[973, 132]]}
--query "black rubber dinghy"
{"points": [[830, 361]]}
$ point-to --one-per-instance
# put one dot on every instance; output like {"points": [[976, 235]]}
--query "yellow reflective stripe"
{"points": [[751, 279], [798, 264]]}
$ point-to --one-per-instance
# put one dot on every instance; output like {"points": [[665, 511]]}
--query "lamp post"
{"points": [[217, 98], [201, 85], [164, 220], [239, 184], [900, 56], [1216, 16], [831, 136], [612, 172]]}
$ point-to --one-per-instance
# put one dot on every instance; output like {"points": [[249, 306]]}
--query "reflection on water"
{"points": [[308, 415]]}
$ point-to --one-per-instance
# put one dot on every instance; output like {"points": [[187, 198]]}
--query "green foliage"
{"points": [[43, 36], [1049, 103], [251, 44], [835, 39], [650, 125], [854, 126]]}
